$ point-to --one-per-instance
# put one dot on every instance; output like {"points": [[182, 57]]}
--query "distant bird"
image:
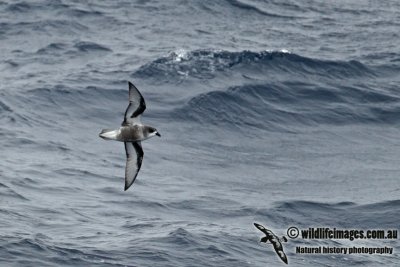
{"points": [[132, 132], [275, 241]]}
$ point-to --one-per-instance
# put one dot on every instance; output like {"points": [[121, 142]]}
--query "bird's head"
{"points": [[152, 132], [264, 239]]}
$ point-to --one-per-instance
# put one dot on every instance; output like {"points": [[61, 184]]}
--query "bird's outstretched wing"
{"points": [[134, 158], [281, 254], [135, 108], [261, 228]]}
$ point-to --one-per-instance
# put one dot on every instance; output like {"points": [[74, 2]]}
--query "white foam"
{"points": [[180, 55]]}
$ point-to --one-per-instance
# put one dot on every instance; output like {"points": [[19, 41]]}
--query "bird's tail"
{"points": [[108, 134]]}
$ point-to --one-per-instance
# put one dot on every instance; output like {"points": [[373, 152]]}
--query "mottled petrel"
{"points": [[275, 241], [132, 132]]}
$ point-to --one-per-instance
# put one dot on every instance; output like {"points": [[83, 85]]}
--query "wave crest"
{"points": [[206, 64]]}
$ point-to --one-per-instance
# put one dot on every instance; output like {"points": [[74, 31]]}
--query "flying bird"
{"points": [[132, 132], [275, 241]]}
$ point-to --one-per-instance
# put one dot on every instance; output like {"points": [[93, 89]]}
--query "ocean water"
{"points": [[284, 113]]}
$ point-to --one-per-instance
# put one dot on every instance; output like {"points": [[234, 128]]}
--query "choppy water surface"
{"points": [[282, 114]]}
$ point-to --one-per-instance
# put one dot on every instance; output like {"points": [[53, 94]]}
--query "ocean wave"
{"points": [[4, 108], [41, 250], [206, 64], [6, 193], [254, 8], [343, 214], [291, 103], [19, 7], [91, 46], [62, 92], [67, 97], [31, 6], [181, 236], [54, 49], [43, 26], [62, 8], [80, 13], [33, 106], [51, 48]]}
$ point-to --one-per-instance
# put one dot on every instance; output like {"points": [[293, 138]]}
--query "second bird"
{"points": [[132, 132]]}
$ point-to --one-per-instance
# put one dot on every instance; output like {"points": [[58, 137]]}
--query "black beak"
{"points": [[158, 134]]}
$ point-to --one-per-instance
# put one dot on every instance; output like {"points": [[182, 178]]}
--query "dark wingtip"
{"points": [[130, 85], [126, 187]]}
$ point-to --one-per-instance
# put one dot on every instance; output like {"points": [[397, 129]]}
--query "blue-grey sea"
{"points": [[285, 113]]}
